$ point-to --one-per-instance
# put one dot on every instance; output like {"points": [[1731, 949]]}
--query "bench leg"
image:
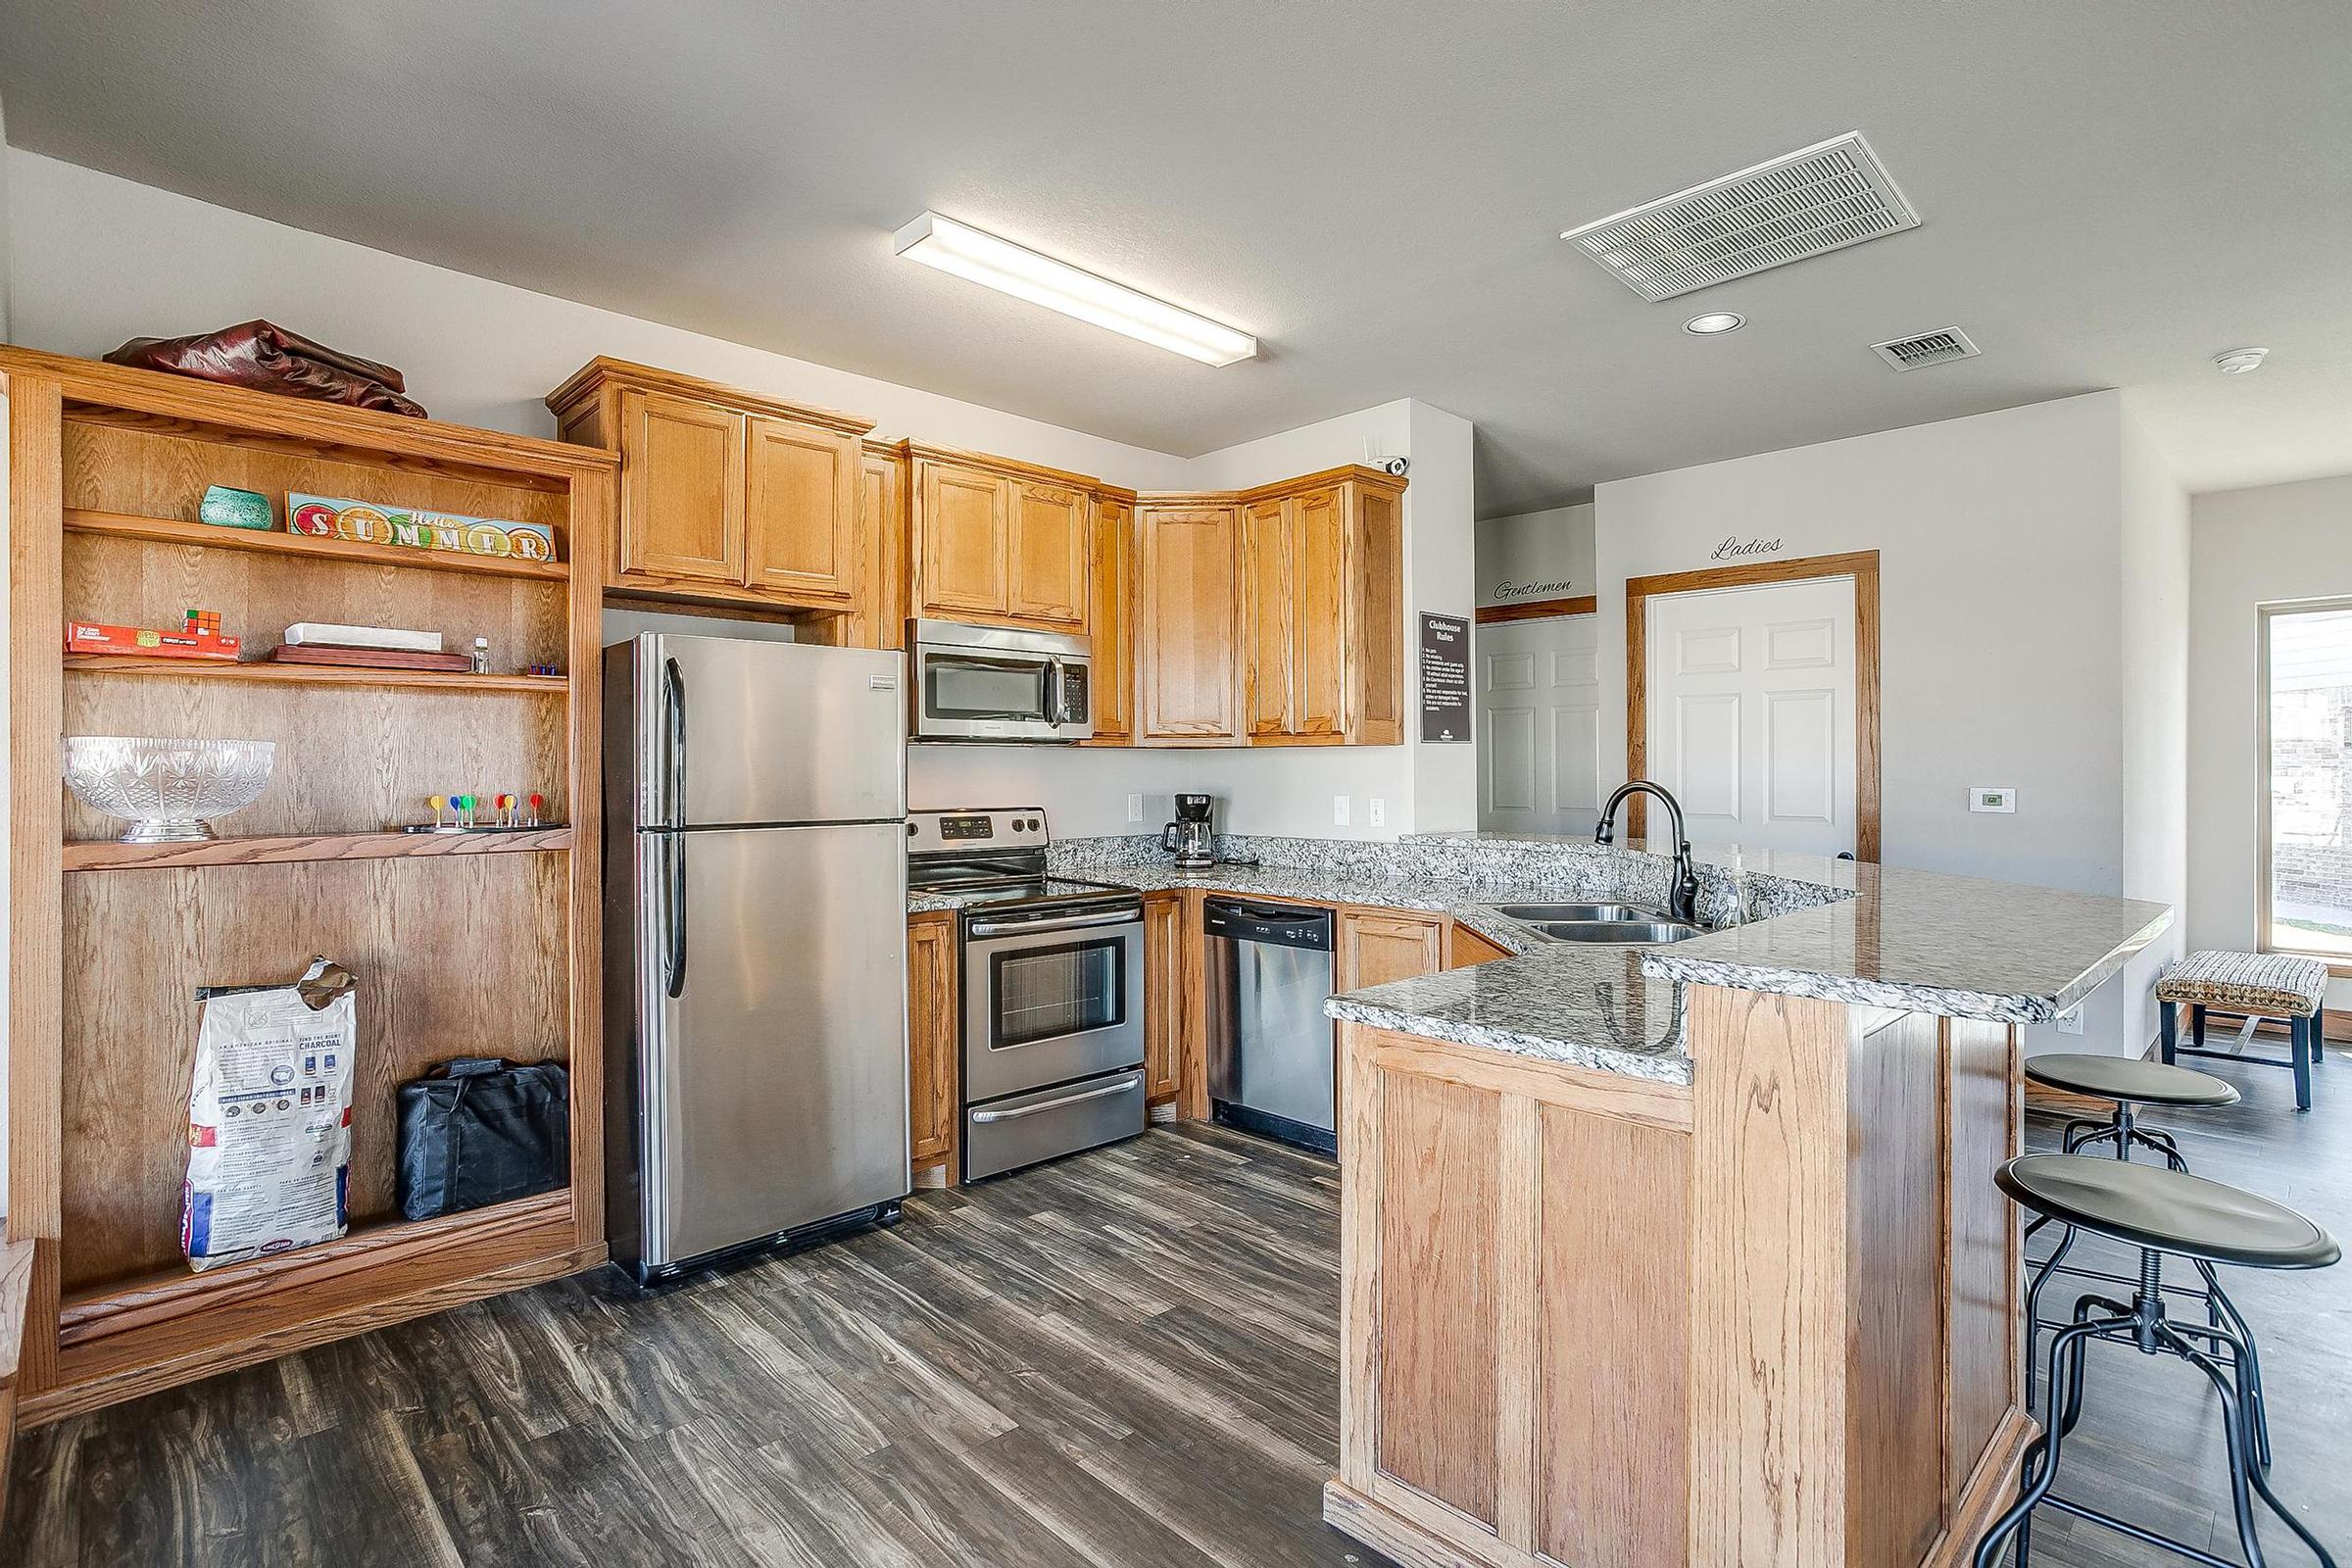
{"points": [[2196, 1026], [2301, 1031], [2168, 1029]]}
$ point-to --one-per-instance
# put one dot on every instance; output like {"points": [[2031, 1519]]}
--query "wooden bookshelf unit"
{"points": [[463, 944]]}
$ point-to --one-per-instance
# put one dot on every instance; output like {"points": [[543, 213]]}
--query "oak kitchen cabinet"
{"points": [[933, 1025], [727, 496], [1110, 622], [1164, 993], [998, 541], [1378, 946], [1322, 559], [1187, 619]]}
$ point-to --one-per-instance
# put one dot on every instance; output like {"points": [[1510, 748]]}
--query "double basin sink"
{"points": [[1617, 924]]}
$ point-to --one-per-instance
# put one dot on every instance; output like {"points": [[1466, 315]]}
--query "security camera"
{"points": [[1395, 465]]}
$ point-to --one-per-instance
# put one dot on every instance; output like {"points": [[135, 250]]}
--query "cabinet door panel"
{"points": [[961, 526], [1376, 949], [1186, 640], [683, 506], [931, 1038], [1112, 626], [1048, 552], [1163, 992], [800, 527], [1267, 555], [1318, 599]]}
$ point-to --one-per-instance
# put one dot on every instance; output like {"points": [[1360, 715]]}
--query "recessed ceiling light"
{"points": [[1024, 273], [2237, 362], [1716, 321]]}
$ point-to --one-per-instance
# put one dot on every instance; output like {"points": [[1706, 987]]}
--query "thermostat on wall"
{"points": [[1983, 798]]}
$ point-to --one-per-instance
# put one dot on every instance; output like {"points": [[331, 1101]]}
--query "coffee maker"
{"points": [[1190, 838]]}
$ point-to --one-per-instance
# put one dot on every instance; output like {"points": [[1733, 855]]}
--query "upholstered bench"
{"points": [[2252, 986]]}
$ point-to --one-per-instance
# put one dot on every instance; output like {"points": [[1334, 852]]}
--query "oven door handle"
{"points": [[1102, 1092], [1067, 922]]}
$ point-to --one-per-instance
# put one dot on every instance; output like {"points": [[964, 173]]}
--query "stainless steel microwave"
{"points": [[993, 683]]}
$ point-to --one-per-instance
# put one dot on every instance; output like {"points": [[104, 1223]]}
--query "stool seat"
{"points": [[2128, 1078], [2269, 985], [2150, 1207]]}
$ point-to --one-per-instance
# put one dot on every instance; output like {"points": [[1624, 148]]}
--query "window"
{"points": [[2306, 798]]}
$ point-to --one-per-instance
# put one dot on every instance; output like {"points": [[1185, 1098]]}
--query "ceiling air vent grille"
{"points": [[1820, 198], [1939, 347]]}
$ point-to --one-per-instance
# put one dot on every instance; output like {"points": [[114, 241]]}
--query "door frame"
{"points": [[1860, 564]]}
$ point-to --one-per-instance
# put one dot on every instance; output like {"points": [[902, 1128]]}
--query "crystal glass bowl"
{"points": [[167, 790]]}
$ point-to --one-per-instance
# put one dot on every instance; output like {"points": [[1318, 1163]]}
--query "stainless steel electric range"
{"points": [[1053, 985]]}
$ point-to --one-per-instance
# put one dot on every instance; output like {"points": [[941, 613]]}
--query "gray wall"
{"points": [[2005, 657], [1536, 555], [2247, 548]]}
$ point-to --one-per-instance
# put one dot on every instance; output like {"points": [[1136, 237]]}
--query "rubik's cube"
{"points": [[202, 624]]}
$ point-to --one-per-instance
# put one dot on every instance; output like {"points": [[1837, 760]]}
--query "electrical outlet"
{"points": [[1991, 798], [2070, 1023], [1135, 807], [1376, 812], [1339, 810]]}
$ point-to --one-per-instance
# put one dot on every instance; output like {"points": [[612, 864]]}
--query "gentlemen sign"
{"points": [[1445, 678]]}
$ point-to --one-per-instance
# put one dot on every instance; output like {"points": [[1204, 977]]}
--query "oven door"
{"points": [[1051, 996], [986, 684]]}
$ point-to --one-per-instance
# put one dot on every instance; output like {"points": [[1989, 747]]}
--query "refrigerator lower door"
{"points": [[771, 1076]]}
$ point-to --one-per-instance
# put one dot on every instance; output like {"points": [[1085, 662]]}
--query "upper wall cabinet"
{"points": [[1111, 624], [998, 541], [1188, 662], [1321, 563], [726, 496]]}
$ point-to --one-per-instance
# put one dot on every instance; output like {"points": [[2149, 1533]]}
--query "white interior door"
{"points": [[1538, 689], [1751, 712]]}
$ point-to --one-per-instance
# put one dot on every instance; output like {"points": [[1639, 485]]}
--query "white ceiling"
{"points": [[2113, 191]]}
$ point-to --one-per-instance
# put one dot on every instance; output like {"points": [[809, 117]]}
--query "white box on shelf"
{"points": [[325, 634]]}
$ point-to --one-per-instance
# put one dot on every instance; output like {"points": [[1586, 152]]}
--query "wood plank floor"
{"points": [[1124, 1358]]}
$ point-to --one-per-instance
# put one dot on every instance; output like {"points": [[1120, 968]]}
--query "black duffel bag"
{"points": [[481, 1131]]}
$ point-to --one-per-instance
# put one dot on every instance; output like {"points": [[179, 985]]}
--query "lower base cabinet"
{"points": [[933, 1030], [1378, 946], [1164, 993]]}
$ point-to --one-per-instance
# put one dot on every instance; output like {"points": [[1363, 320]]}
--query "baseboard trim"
{"points": [[1990, 1491]]}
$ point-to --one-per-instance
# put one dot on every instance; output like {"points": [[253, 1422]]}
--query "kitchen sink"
{"points": [[1623, 933], [1540, 913]]}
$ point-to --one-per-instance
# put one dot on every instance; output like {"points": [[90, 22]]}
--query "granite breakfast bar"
{"points": [[1690, 1254]]}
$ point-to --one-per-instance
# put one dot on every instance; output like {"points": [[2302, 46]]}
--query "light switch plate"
{"points": [[1339, 810], [1135, 807], [2070, 1023], [1993, 797]]}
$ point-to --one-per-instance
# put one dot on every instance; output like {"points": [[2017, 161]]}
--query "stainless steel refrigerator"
{"points": [[755, 945]]}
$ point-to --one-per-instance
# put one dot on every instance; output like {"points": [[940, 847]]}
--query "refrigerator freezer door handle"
{"points": [[674, 916], [674, 715]]}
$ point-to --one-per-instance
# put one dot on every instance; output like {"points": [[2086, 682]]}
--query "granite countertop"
{"points": [[1789, 923]]}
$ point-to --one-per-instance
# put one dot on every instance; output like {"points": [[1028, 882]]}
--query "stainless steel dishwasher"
{"points": [[1269, 1042]]}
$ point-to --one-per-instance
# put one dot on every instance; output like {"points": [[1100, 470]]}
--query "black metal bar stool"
{"points": [[2130, 1083], [2162, 1213]]}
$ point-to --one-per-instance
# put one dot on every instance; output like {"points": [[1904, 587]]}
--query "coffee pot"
{"points": [[1190, 838]]}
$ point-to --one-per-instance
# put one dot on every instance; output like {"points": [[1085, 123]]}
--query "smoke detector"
{"points": [[1921, 350], [1820, 198], [2237, 362]]}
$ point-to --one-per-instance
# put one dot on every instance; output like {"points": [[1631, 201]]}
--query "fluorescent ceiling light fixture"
{"points": [[1014, 270], [1715, 322]]}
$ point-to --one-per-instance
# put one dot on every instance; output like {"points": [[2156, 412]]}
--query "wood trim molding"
{"points": [[1536, 610], [1322, 479], [591, 378], [1005, 467], [1860, 564]]}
